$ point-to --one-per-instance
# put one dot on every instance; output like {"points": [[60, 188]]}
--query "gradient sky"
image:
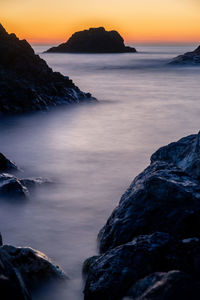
{"points": [[53, 21]]}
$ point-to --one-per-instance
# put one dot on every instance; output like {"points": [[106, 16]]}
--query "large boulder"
{"points": [[184, 153], [94, 40], [6, 164], [162, 197], [26, 81], [111, 276], [12, 286], [11, 187], [189, 58], [173, 285], [34, 266]]}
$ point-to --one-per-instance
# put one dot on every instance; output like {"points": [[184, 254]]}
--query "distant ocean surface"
{"points": [[92, 152]]}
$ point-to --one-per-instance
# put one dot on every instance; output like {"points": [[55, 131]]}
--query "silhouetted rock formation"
{"points": [[164, 197], [189, 58], [24, 270], [94, 40], [6, 164], [26, 81]]}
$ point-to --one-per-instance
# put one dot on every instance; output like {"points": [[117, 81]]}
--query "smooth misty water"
{"points": [[92, 152]]}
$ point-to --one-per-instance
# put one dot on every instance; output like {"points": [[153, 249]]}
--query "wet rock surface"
{"points": [[189, 58], [150, 246], [6, 164], [94, 40], [11, 187], [26, 81]]}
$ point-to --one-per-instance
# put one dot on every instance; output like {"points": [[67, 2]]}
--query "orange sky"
{"points": [[53, 21]]}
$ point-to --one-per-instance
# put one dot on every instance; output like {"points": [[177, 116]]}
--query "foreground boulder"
{"points": [[6, 164], [94, 40], [12, 286], [173, 285], [112, 275], [26, 81], [34, 266], [189, 58], [184, 153], [162, 197]]}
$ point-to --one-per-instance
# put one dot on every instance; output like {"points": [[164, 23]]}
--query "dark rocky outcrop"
{"points": [[6, 164], [189, 58], [34, 266], [173, 285], [113, 274], [25, 270], [162, 197], [185, 154], [137, 261], [11, 187], [94, 40], [26, 81]]}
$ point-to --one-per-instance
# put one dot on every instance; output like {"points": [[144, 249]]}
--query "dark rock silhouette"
{"points": [[113, 274], [94, 40], [136, 260], [6, 164], [26, 81], [173, 285], [189, 58]]}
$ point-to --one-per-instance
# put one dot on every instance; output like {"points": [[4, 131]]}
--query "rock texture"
{"points": [[173, 285], [26, 81], [6, 164], [162, 197], [94, 40], [113, 274], [184, 153], [34, 266], [189, 58], [136, 260], [11, 187]]}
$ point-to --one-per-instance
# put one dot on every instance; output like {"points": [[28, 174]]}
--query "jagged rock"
{"points": [[31, 183], [174, 285], [26, 81], [184, 153], [12, 187], [113, 274], [94, 40], [11, 283], [189, 58], [34, 266], [162, 197], [6, 164]]}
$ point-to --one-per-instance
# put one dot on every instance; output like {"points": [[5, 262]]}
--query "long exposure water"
{"points": [[92, 152]]}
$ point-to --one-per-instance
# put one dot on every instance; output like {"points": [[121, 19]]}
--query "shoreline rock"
{"points": [[189, 58], [93, 40], [150, 245], [27, 83]]}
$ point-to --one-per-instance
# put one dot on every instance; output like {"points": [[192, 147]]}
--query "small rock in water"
{"points": [[6, 164], [189, 58]]}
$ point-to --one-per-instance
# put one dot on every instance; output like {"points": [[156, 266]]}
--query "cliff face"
{"points": [[94, 40], [189, 58], [26, 81]]}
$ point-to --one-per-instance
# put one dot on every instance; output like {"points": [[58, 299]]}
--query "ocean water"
{"points": [[92, 152]]}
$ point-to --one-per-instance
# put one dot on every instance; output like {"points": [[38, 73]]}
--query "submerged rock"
{"points": [[162, 197], [113, 274], [6, 164], [34, 266], [184, 153], [173, 285], [26, 81], [94, 40], [189, 58]]}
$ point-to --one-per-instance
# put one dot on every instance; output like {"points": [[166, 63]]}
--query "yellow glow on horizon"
{"points": [[53, 21]]}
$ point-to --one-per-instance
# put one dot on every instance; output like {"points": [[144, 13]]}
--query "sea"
{"points": [[92, 152]]}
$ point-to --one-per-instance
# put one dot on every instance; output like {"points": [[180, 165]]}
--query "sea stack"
{"points": [[26, 81], [93, 40], [189, 58]]}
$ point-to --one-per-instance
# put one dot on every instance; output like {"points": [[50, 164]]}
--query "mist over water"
{"points": [[92, 152]]}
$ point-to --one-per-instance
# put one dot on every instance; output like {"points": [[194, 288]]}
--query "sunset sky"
{"points": [[53, 21]]}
